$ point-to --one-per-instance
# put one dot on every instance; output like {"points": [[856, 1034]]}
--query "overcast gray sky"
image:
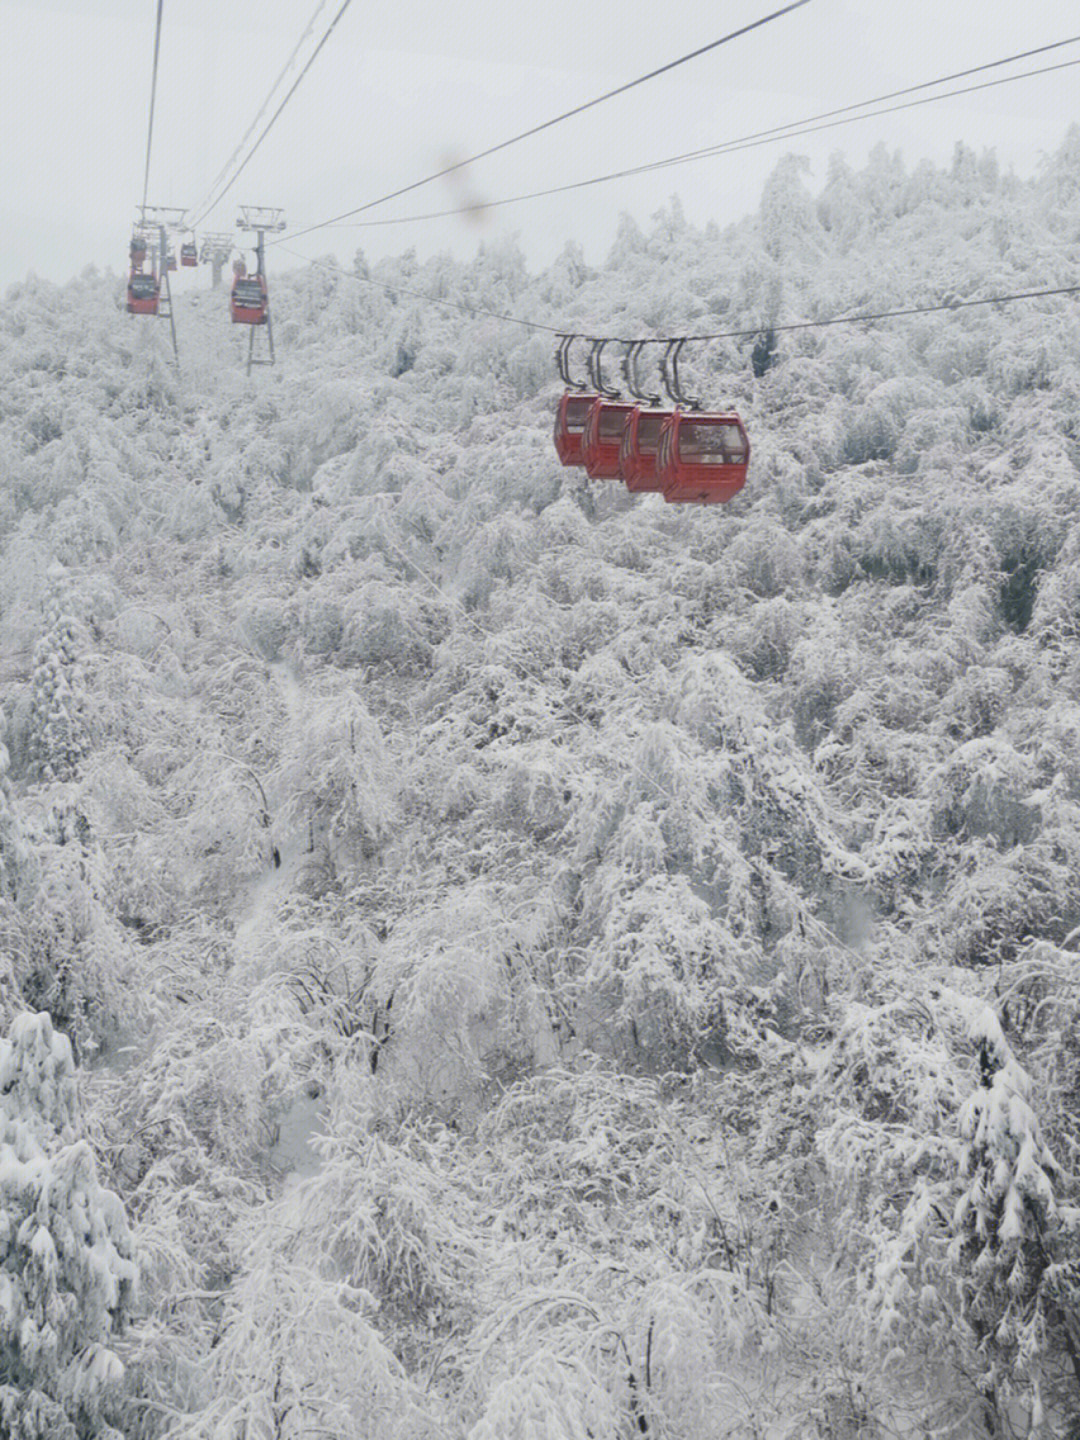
{"points": [[400, 87]]}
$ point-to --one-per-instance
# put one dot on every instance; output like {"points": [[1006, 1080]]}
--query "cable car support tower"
{"points": [[161, 219], [216, 249], [259, 219]]}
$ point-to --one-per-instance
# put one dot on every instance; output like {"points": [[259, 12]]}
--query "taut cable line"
{"points": [[811, 125], [558, 119], [207, 204], [153, 97], [291, 92]]}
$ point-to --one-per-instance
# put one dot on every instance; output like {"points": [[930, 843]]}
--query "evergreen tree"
{"points": [[14, 851], [1012, 1246], [68, 1272], [59, 740]]}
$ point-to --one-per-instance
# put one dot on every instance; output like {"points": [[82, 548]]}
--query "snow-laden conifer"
{"points": [[15, 859], [68, 1280], [59, 738]]}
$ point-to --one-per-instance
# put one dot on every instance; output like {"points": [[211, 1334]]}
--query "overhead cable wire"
{"points": [[746, 333], [868, 317], [207, 203], [269, 124], [809, 129], [558, 119], [153, 97], [790, 131]]}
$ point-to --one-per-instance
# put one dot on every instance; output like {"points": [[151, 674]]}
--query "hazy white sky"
{"points": [[400, 87]]}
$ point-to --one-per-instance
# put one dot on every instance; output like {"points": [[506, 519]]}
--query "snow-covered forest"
{"points": [[488, 957]]}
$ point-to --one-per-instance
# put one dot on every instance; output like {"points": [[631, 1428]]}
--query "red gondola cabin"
{"points": [[143, 294], [637, 450], [570, 420], [603, 436], [249, 304], [702, 459], [189, 254]]}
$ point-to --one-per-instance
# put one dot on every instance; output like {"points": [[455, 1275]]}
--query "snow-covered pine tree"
{"points": [[68, 1270], [14, 855], [58, 735], [1009, 1231], [971, 1294]]}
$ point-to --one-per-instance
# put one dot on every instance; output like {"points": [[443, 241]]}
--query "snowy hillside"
{"points": [[490, 957]]}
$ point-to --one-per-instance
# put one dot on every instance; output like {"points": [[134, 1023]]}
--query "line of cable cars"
{"points": [[688, 455], [249, 302]]}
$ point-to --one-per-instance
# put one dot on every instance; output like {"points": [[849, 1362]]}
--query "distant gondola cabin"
{"points": [[249, 303], [143, 294]]}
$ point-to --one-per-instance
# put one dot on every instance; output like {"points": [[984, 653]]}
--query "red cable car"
{"points": [[143, 294], [573, 409], [603, 437], [702, 459], [189, 253], [570, 420], [637, 450], [249, 304]]}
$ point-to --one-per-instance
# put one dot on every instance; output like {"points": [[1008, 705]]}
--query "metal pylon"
{"points": [[261, 218], [268, 327], [162, 218], [163, 256]]}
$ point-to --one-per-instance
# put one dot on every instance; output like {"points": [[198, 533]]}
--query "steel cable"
{"points": [[792, 131], [292, 91], [153, 97], [558, 119], [206, 204]]}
